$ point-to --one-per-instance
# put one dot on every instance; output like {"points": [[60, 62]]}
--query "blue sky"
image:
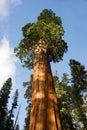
{"points": [[16, 13]]}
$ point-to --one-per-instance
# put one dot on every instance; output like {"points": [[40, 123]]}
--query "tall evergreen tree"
{"points": [[4, 96], [10, 117], [62, 90], [41, 44], [79, 86]]}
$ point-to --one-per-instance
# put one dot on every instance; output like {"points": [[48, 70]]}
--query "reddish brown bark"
{"points": [[44, 110]]}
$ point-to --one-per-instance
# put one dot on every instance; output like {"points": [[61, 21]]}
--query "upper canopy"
{"points": [[48, 28]]}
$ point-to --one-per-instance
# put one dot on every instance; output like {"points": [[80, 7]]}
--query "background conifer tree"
{"points": [[62, 91], [10, 117], [4, 96], [79, 87]]}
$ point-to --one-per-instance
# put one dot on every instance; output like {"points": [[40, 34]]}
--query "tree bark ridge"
{"points": [[44, 111]]}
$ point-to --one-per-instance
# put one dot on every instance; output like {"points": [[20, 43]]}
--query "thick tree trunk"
{"points": [[44, 110]]}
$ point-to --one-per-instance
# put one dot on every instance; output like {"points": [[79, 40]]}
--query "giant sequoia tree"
{"points": [[42, 43]]}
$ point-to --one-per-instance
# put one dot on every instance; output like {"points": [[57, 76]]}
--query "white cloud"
{"points": [[7, 61], [5, 7]]}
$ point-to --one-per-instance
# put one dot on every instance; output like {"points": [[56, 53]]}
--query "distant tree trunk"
{"points": [[44, 111]]}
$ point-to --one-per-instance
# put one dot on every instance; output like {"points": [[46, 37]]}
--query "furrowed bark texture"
{"points": [[44, 111]]}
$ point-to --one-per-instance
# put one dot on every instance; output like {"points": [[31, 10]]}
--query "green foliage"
{"points": [[62, 90], [79, 75], [47, 28], [79, 86], [4, 96], [49, 15], [6, 117]]}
